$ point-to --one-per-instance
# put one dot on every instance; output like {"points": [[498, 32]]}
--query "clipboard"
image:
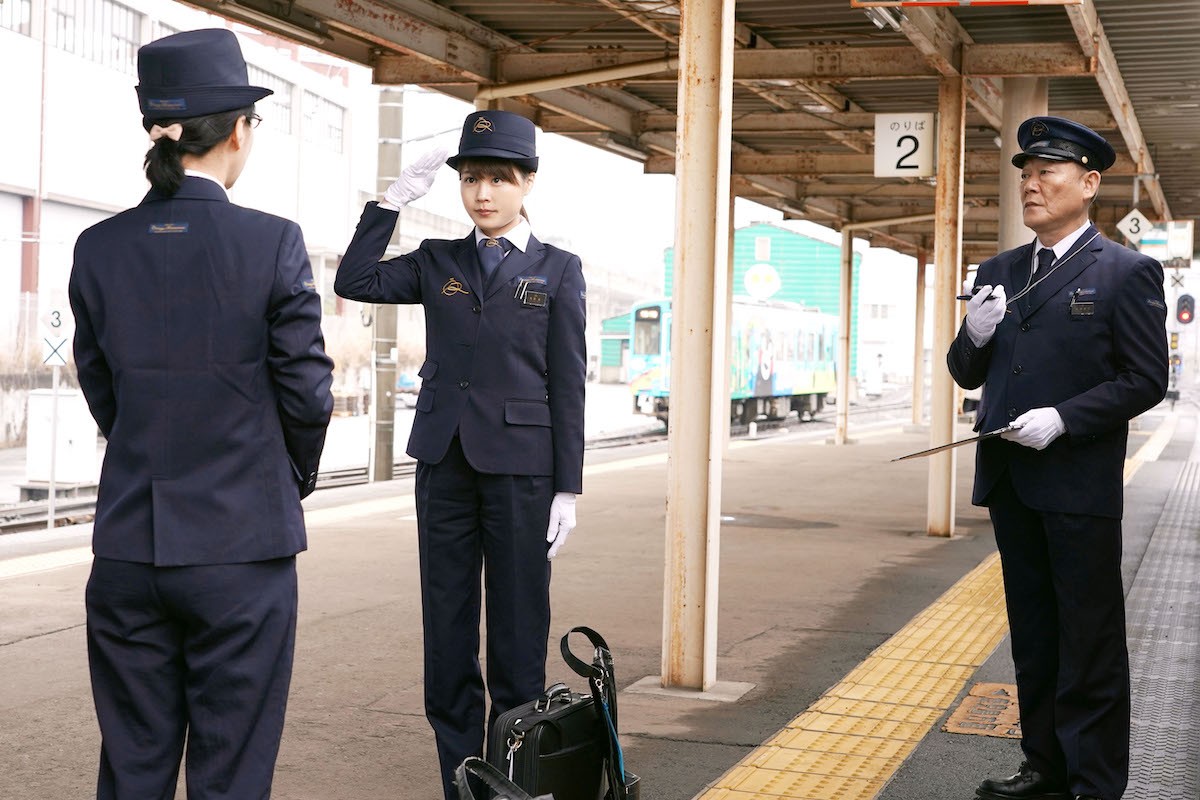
{"points": [[960, 443]]}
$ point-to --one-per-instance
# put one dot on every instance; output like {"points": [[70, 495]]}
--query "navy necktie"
{"points": [[491, 252], [1045, 258]]}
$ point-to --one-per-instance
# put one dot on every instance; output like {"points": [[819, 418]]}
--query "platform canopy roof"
{"points": [[810, 76]]}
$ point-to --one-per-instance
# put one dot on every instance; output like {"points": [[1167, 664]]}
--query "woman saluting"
{"points": [[498, 433], [199, 350]]}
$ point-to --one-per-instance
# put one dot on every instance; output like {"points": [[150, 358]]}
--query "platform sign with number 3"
{"points": [[904, 145], [56, 326]]}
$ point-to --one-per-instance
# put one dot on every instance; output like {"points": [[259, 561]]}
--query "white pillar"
{"points": [[918, 392], [947, 255], [1023, 98], [698, 329], [845, 309]]}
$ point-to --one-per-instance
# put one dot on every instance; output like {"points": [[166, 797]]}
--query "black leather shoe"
{"points": [[1027, 784]]}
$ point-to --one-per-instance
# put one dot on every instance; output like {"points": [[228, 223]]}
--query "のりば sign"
{"points": [[904, 145]]}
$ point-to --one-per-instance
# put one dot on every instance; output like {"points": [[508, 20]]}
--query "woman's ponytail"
{"points": [[164, 159], [164, 166]]}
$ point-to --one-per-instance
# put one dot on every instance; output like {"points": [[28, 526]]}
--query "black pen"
{"points": [[974, 291]]}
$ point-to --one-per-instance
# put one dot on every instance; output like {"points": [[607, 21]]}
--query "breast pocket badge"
{"points": [[1083, 308], [531, 291]]}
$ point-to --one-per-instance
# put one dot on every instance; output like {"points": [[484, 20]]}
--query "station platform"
{"points": [[859, 634]]}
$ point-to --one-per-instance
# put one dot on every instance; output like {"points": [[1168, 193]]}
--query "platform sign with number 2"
{"points": [[904, 145]]}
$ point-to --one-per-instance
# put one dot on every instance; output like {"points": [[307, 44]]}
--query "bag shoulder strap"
{"points": [[603, 684], [493, 778]]}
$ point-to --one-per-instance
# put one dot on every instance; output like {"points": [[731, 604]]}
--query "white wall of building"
{"points": [[886, 316], [73, 135], [10, 264], [88, 130]]}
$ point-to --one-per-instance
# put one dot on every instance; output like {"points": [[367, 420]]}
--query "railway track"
{"points": [[75, 510]]}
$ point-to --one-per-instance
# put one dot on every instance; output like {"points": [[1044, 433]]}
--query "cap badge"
{"points": [[483, 125], [1038, 129]]}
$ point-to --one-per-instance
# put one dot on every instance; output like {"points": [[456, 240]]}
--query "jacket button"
{"points": [[475, 309], [463, 384], [1018, 369], [1024, 327], [1012, 412]]}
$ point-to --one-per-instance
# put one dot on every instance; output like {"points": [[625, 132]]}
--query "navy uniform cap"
{"points": [[497, 134], [1059, 139], [193, 74]]}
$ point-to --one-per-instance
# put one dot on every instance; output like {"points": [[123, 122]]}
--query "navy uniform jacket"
{"points": [[199, 350], [1090, 341], [505, 364]]}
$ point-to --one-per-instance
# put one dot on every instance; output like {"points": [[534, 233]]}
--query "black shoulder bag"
{"points": [[622, 785]]}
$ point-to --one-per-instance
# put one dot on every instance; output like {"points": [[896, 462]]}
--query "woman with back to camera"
{"points": [[498, 432], [199, 350]]}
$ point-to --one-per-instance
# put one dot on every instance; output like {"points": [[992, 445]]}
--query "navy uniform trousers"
{"points": [[199, 654], [1066, 612], [467, 518]]}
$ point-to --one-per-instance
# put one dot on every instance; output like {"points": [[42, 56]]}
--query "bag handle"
{"points": [[603, 684], [493, 778]]}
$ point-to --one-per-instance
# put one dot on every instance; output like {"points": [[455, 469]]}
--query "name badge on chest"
{"points": [[530, 296], [1082, 308]]}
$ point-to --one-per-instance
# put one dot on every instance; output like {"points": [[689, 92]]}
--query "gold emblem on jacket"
{"points": [[453, 287]]}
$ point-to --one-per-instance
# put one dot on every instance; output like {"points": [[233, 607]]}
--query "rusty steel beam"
{"points": [[817, 165], [804, 121], [1094, 42], [825, 63], [1044, 59], [940, 37]]}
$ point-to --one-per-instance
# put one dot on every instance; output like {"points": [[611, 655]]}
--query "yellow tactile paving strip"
{"points": [[848, 743]]}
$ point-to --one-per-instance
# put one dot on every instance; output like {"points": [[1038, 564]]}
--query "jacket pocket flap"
{"points": [[428, 370], [527, 412], [425, 400]]}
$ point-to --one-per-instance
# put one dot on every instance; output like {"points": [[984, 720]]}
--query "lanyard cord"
{"points": [[1031, 283]]}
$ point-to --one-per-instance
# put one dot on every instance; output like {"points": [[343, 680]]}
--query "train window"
{"points": [[647, 331]]}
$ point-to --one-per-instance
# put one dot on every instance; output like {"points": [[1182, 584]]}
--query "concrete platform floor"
{"points": [[825, 558]]}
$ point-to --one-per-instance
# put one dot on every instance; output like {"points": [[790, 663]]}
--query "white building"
{"points": [[71, 153]]}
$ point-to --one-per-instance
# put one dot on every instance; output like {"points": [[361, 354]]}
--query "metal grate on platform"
{"points": [[1163, 623]]}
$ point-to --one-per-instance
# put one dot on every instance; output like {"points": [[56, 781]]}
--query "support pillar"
{"points": [[918, 391], [728, 322], [698, 331], [947, 255], [383, 334], [1023, 98], [843, 359]]}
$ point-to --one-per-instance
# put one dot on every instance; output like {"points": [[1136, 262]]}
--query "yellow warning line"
{"points": [[1153, 447], [851, 741]]}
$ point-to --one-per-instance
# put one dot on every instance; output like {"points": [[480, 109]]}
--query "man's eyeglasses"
{"points": [[253, 119]]}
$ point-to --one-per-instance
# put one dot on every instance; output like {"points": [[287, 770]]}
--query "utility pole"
{"points": [[383, 332]]}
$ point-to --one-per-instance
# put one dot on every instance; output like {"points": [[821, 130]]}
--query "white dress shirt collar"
{"points": [[1064, 244], [518, 236], [195, 173]]}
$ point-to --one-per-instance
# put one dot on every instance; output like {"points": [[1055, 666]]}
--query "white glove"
{"points": [[415, 179], [562, 521], [1036, 428], [984, 312]]}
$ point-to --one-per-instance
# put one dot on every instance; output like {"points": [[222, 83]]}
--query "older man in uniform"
{"points": [[1067, 336]]}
